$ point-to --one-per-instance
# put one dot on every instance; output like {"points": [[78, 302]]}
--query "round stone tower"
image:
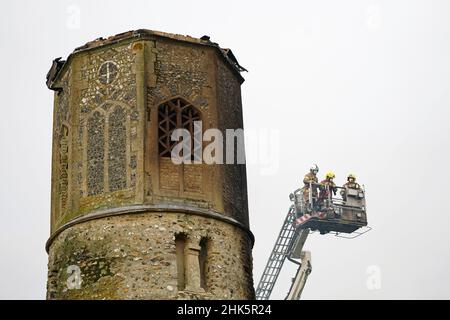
{"points": [[128, 222]]}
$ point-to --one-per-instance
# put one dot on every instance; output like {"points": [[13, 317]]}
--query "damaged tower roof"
{"points": [[144, 34]]}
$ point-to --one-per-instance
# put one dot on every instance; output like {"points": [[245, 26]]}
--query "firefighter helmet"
{"points": [[330, 175], [314, 168], [351, 176]]}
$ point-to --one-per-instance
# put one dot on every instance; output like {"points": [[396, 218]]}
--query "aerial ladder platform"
{"points": [[337, 215]]}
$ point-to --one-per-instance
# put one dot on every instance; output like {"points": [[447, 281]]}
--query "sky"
{"points": [[356, 86]]}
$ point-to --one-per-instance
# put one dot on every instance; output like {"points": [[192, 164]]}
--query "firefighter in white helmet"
{"points": [[310, 181]]}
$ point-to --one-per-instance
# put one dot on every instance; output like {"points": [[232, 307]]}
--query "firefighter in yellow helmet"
{"points": [[350, 184], [310, 181], [327, 186]]}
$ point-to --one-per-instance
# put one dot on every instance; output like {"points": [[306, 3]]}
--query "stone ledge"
{"points": [[169, 208]]}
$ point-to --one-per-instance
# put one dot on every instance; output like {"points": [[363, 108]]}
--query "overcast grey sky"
{"points": [[357, 86]]}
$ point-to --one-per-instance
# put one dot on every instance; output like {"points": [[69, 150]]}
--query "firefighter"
{"points": [[310, 180], [350, 184], [326, 187]]}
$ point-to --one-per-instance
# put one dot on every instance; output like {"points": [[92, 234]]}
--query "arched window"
{"points": [[107, 151], [175, 114]]}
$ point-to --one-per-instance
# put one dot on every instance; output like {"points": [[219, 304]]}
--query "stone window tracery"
{"points": [[63, 167], [107, 151], [175, 114]]}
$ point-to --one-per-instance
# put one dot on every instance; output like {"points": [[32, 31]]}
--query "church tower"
{"points": [[126, 221]]}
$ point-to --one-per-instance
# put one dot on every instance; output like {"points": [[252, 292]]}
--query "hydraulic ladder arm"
{"points": [[304, 267], [303, 271]]}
